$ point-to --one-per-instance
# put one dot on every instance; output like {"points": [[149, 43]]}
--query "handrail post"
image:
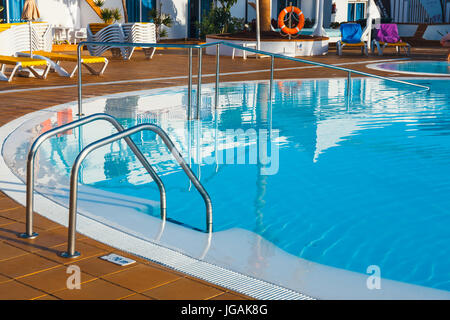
{"points": [[217, 75], [71, 253], [190, 86], [349, 84], [199, 82], [272, 62], [29, 234], [80, 94]]}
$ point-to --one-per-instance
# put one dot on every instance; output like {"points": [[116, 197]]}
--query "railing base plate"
{"points": [[69, 256], [27, 236]]}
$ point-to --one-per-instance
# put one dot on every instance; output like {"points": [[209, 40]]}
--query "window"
{"points": [[3, 13], [356, 11], [285, 3]]}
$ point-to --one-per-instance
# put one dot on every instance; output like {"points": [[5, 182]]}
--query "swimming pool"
{"points": [[437, 68], [343, 183]]}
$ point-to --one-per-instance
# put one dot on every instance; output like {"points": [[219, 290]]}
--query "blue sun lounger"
{"points": [[351, 34]]}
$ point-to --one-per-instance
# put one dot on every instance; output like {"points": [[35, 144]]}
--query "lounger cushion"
{"points": [[359, 44], [351, 32], [25, 62], [68, 57], [397, 44], [388, 32]]}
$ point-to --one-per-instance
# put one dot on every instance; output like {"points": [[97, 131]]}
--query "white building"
{"points": [[77, 14]]}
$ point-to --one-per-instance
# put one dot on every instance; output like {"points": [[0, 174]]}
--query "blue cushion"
{"points": [[351, 32]]}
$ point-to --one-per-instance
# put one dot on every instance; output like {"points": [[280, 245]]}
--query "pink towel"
{"points": [[388, 33]]}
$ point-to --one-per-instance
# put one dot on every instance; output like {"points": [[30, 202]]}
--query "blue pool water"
{"points": [[346, 183], [418, 67]]}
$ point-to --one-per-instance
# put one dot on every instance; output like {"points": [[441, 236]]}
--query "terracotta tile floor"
{"points": [[32, 269]]}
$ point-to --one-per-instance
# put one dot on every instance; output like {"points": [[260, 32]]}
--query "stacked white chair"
{"points": [[17, 38], [42, 36], [140, 33], [109, 33], [127, 32]]}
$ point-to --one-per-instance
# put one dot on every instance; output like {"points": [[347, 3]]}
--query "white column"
{"points": [[316, 18], [368, 30], [7, 11], [258, 39], [319, 30]]}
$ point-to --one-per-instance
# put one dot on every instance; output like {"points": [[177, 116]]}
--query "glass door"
{"points": [[197, 9]]}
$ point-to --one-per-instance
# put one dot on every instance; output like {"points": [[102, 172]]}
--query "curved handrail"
{"points": [[29, 234], [120, 135], [217, 44], [280, 56]]}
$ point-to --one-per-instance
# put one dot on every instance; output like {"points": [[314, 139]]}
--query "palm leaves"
{"points": [[108, 15], [160, 19]]}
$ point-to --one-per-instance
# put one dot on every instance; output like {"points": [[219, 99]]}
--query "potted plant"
{"points": [[108, 15], [160, 19], [219, 20], [111, 15]]}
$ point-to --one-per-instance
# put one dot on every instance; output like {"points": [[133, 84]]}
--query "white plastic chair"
{"points": [[79, 35], [244, 52], [140, 33]]}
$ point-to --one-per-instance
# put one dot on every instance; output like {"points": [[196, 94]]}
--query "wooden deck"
{"points": [[32, 269]]}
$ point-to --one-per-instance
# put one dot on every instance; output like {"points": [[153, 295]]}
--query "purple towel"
{"points": [[388, 33]]}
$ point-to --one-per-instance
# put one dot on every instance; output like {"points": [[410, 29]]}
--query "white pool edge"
{"points": [[12, 186], [376, 66]]}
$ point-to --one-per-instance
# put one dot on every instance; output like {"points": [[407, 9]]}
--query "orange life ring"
{"points": [[301, 19]]}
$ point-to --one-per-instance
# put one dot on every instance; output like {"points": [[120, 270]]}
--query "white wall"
{"points": [[88, 15], [60, 12], [342, 8], [178, 9], [238, 10], [72, 13]]}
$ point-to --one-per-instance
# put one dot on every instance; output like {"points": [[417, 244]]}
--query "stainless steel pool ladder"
{"points": [[71, 253], [122, 134], [29, 234]]}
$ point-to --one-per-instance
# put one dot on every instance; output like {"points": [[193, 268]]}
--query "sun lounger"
{"points": [[387, 36], [54, 60], [351, 37], [25, 63]]}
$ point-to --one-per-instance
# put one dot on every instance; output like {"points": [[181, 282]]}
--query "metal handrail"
{"points": [[29, 234], [120, 135], [330, 66], [217, 44]]}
